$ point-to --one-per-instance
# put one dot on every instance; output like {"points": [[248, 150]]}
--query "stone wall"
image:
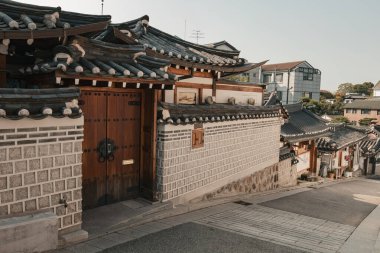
{"points": [[41, 168], [273, 177], [232, 150]]}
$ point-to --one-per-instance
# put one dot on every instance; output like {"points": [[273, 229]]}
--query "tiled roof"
{"points": [[302, 124], [190, 114], [221, 43], [281, 66], [26, 21], [179, 51], [39, 103], [341, 136], [371, 103], [90, 58]]}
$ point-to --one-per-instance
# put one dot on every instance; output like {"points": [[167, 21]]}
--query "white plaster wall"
{"points": [[240, 96], [232, 150], [376, 93], [303, 161], [169, 96]]}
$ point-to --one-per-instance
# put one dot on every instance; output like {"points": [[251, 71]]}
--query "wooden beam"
{"points": [[3, 73], [182, 72], [200, 96], [175, 95], [214, 86], [193, 85], [51, 33], [202, 74], [113, 79]]}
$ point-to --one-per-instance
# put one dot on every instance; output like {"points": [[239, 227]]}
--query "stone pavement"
{"points": [[284, 228], [260, 223]]}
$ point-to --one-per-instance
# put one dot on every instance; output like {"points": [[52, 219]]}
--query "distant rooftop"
{"points": [[281, 66], [371, 103]]}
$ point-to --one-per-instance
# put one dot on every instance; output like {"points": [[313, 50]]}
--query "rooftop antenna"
{"points": [[197, 34], [102, 6]]}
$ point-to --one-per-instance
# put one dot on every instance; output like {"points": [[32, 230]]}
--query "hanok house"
{"points": [[340, 152], [300, 133], [149, 114], [41, 165]]}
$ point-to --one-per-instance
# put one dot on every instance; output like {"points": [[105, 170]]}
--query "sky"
{"points": [[339, 37]]}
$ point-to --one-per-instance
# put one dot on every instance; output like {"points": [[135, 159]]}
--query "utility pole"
{"points": [[197, 34], [102, 6]]}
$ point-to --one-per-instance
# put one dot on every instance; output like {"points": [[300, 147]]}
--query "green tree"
{"points": [[364, 88], [366, 121], [345, 88], [340, 119], [326, 94]]}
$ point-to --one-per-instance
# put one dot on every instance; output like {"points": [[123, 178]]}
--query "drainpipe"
{"points": [[287, 89]]}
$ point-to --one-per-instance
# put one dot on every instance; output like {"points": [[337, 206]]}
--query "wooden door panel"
{"points": [[124, 112], [94, 106]]}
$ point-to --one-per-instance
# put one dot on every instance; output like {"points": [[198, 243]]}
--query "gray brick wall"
{"points": [[40, 166], [232, 150]]}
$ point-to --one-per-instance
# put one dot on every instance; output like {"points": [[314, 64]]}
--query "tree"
{"points": [[325, 94], [364, 88], [366, 121], [340, 119], [345, 88]]}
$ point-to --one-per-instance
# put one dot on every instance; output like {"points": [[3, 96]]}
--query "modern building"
{"points": [[292, 80], [376, 90], [351, 97], [360, 109]]}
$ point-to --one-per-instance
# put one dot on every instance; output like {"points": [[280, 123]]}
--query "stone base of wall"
{"points": [[29, 233], [273, 177]]}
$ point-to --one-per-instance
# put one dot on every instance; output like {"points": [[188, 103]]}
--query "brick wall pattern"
{"points": [[232, 150], [41, 168]]}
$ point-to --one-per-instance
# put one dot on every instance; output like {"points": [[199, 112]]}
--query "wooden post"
{"points": [[214, 86], [200, 96], [3, 73]]}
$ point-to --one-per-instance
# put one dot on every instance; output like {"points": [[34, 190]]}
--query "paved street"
{"points": [[306, 220], [347, 203]]}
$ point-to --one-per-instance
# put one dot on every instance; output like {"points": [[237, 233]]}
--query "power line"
{"points": [[197, 34]]}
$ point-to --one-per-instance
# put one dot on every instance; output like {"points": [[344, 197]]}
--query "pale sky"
{"points": [[339, 37]]}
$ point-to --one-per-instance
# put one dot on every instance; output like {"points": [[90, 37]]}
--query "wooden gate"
{"points": [[112, 117]]}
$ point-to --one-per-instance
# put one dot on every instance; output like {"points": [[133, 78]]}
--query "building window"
{"points": [[307, 76], [365, 111], [267, 78], [354, 111], [279, 78], [279, 95], [378, 112], [198, 138], [307, 94], [254, 75], [348, 110]]}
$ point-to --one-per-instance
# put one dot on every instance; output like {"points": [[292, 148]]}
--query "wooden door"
{"points": [[94, 104], [124, 120], [113, 115]]}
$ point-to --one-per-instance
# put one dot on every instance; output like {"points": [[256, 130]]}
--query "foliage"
{"points": [[324, 94], [340, 119], [363, 88], [238, 78], [366, 121], [322, 107]]}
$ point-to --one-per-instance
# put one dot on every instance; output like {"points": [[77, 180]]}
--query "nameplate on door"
{"points": [[128, 162]]}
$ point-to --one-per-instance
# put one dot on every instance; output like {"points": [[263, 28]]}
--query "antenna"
{"points": [[197, 34], [102, 6]]}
